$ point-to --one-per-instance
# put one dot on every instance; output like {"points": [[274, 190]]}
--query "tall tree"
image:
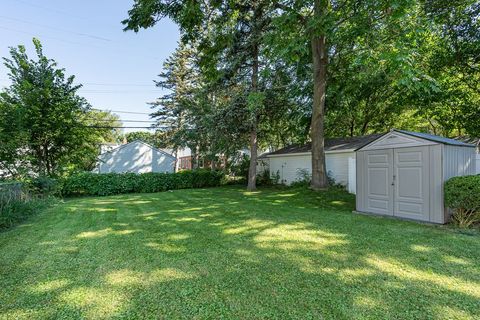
{"points": [[41, 116], [232, 44], [330, 28], [173, 110]]}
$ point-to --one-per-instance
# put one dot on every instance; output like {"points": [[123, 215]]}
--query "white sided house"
{"points": [[291, 161], [137, 157]]}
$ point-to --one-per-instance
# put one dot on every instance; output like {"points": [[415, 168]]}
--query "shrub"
{"points": [[462, 196], [240, 166], [264, 178], [103, 184], [332, 183], [304, 177], [16, 204], [45, 186]]}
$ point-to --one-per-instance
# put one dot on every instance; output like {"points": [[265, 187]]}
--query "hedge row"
{"points": [[104, 184], [462, 195]]}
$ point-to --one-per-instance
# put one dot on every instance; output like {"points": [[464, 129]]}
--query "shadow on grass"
{"points": [[285, 253]]}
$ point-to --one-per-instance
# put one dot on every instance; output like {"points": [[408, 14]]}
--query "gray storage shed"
{"points": [[402, 174]]}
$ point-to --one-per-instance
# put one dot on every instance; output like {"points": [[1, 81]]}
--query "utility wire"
{"points": [[63, 13], [117, 111], [55, 28], [118, 84], [48, 37], [117, 91], [106, 84], [120, 120], [116, 127], [74, 43]]}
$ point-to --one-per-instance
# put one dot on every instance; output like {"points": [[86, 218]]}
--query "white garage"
{"points": [[137, 157], [288, 162], [402, 174]]}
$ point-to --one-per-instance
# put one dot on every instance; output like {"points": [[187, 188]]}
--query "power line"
{"points": [[48, 37], [56, 28], [107, 84], [116, 127], [117, 111], [118, 91], [74, 43], [120, 120], [118, 84], [61, 12]]}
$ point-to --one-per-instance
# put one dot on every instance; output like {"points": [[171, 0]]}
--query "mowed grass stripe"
{"points": [[226, 253]]}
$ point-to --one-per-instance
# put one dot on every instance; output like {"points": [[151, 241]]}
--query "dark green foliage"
{"points": [[265, 178], [119, 183], [154, 139], [240, 168], [304, 177], [17, 203], [462, 195], [45, 186], [17, 211], [46, 127]]}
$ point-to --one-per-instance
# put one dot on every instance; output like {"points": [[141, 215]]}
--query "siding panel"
{"points": [[136, 157], [288, 166], [458, 161]]}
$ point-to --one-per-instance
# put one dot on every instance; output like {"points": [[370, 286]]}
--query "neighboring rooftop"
{"points": [[120, 146], [355, 143], [331, 144]]}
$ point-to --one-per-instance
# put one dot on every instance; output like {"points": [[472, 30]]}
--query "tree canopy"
{"points": [[46, 127], [271, 73]]}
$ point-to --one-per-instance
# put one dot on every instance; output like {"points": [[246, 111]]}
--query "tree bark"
{"points": [[320, 60], [176, 160], [252, 170]]}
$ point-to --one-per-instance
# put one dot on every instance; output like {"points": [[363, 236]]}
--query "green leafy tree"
{"points": [[41, 117], [100, 127], [340, 34], [229, 35], [154, 139]]}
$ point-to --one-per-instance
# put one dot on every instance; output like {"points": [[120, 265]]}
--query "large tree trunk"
{"points": [[320, 60], [252, 170], [176, 160]]}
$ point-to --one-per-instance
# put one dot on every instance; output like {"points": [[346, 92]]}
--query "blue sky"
{"points": [[85, 37]]}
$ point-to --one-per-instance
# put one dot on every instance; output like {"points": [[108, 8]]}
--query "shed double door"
{"points": [[397, 182]]}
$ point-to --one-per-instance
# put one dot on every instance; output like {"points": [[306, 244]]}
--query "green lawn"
{"points": [[226, 253]]}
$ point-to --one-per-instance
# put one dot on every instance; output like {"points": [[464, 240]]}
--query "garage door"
{"points": [[397, 182]]}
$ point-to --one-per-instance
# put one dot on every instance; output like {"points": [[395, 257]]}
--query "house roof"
{"points": [[434, 138], [135, 141], [332, 145]]}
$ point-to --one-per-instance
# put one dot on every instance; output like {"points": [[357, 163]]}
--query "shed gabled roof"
{"points": [[435, 138], [331, 145], [402, 138]]}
